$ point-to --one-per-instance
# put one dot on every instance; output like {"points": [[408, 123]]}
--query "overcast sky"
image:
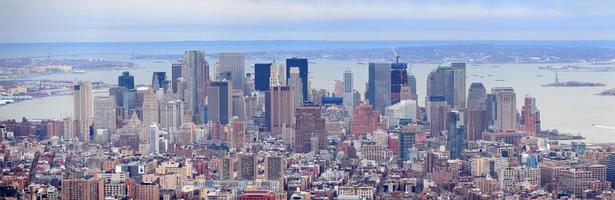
{"points": [[174, 20]]}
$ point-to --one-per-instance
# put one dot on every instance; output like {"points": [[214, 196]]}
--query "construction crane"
{"points": [[396, 55]]}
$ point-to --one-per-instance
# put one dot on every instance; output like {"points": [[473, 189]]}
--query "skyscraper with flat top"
{"points": [[309, 125], [126, 80], [262, 75], [379, 86], [234, 62], [506, 108], [195, 72], [82, 108], [302, 64], [531, 117], [294, 81], [449, 81], [476, 112], [455, 133], [219, 102], [282, 108], [159, 80], [105, 113], [348, 88], [176, 72]]}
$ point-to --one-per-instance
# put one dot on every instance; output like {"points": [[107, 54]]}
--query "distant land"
{"points": [[424, 51], [610, 92]]}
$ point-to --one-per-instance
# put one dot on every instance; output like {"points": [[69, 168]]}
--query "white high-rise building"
{"points": [[152, 136], [234, 62], [405, 109], [506, 108], [348, 88], [294, 81], [105, 113], [171, 115], [82, 108]]}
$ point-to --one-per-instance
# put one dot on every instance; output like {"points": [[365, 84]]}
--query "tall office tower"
{"points": [[282, 74], [531, 117], [171, 115], [476, 112], [490, 111], [159, 80], [150, 108], [220, 102], [234, 62], [302, 64], [364, 120], [153, 133], [126, 80], [82, 108], [309, 124], [195, 71], [68, 124], [610, 169], [506, 108], [338, 88], [82, 189], [274, 167], [455, 133], [449, 81], [104, 113], [226, 168], [238, 131], [407, 140], [399, 79], [348, 89], [176, 72], [282, 108], [412, 87], [379, 86], [239, 104], [294, 81], [404, 110], [262, 76], [247, 166], [437, 111]]}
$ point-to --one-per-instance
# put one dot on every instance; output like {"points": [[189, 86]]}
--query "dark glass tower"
{"points": [[262, 74], [126, 80], [302, 64]]}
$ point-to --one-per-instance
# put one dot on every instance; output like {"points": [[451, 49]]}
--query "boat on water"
{"points": [[500, 80], [539, 75], [79, 72]]}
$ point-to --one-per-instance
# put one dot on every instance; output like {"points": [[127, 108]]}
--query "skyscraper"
{"points": [[364, 120], [104, 113], [402, 110], [282, 108], [348, 88], [234, 62], [506, 108], [176, 72], [262, 75], [455, 134], [294, 81], [449, 81], [126, 80], [476, 112], [399, 79], [407, 140], [302, 64], [309, 125], [159, 80], [153, 133], [610, 169], [531, 117], [150, 108], [379, 86], [437, 110], [82, 108], [195, 72], [219, 102]]}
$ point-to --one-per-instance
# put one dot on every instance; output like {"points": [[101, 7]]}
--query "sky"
{"points": [[182, 20]]}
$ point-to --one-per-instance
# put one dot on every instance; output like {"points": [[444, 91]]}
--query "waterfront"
{"points": [[570, 110]]}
